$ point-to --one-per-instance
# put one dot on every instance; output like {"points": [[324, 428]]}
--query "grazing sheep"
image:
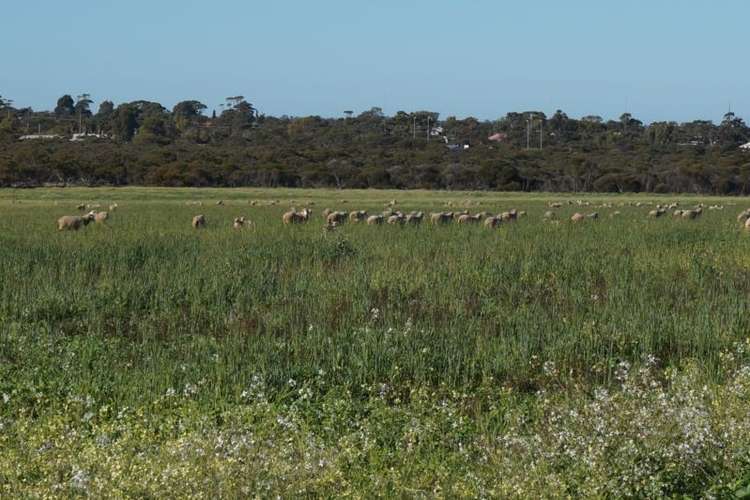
{"points": [[82, 206], [375, 220], [509, 216], [747, 225], [113, 207], [100, 217], [692, 214], [614, 214], [294, 217], [549, 215], [199, 221], [337, 217], [577, 217], [593, 215], [469, 219], [220, 203], [414, 218], [239, 222], [492, 222], [657, 213], [556, 204], [358, 215], [396, 219], [73, 222], [326, 212], [744, 215], [441, 217]]}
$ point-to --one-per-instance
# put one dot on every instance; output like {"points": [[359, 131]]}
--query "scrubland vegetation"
{"points": [[143, 357]]}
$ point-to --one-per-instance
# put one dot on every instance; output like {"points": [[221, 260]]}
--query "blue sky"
{"points": [[658, 59]]}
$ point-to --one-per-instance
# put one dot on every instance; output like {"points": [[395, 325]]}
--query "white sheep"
{"points": [[199, 221], [73, 222]]}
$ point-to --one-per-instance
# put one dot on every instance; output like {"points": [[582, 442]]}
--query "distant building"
{"points": [[83, 136], [32, 137], [436, 131], [498, 137]]}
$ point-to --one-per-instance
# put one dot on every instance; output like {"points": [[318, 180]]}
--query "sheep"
{"points": [[744, 215], [492, 222], [677, 213], [100, 217], [509, 216], [657, 213], [614, 214], [358, 215], [220, 203], [692, 214], [294, 217], [577, 217], [549, 215], [555, 204], [199, 221], [522, 213], [441, 217], [330, 226], [396, 219], [239, 222], [326, 212], [747, 225], [81, 206], [113, 206], [414, 218], [593, 215], [73, 222], [337, 217], [468, 219], [375, 220]]}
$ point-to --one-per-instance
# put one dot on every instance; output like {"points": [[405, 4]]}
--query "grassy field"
{"points": [[602, 359]]}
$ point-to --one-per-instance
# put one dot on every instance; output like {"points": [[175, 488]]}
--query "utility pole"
{"points": [[541, 134], [414, 128], [528, 132]]}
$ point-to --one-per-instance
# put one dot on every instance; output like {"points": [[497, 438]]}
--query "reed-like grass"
{"points": [[125, 312]]}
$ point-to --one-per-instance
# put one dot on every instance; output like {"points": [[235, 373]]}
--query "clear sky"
{"points": [[657, 59]]}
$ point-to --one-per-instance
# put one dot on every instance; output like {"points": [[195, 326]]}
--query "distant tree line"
{"points": [[144, 143]]}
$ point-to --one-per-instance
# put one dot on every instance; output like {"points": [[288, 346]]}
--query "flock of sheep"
{"points": [[76, 222], [334, 219]]}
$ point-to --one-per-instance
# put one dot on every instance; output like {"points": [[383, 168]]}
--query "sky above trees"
{"points": [[667, 60]]}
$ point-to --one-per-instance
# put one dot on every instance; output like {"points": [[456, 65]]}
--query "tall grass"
{"points": [[123, 313]]}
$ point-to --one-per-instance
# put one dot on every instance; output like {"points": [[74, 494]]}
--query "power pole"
{"points": [[541, 134], [528, 132]]}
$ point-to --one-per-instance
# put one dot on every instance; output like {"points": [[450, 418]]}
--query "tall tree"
{"points": [[83, 102], [65, 106]]}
